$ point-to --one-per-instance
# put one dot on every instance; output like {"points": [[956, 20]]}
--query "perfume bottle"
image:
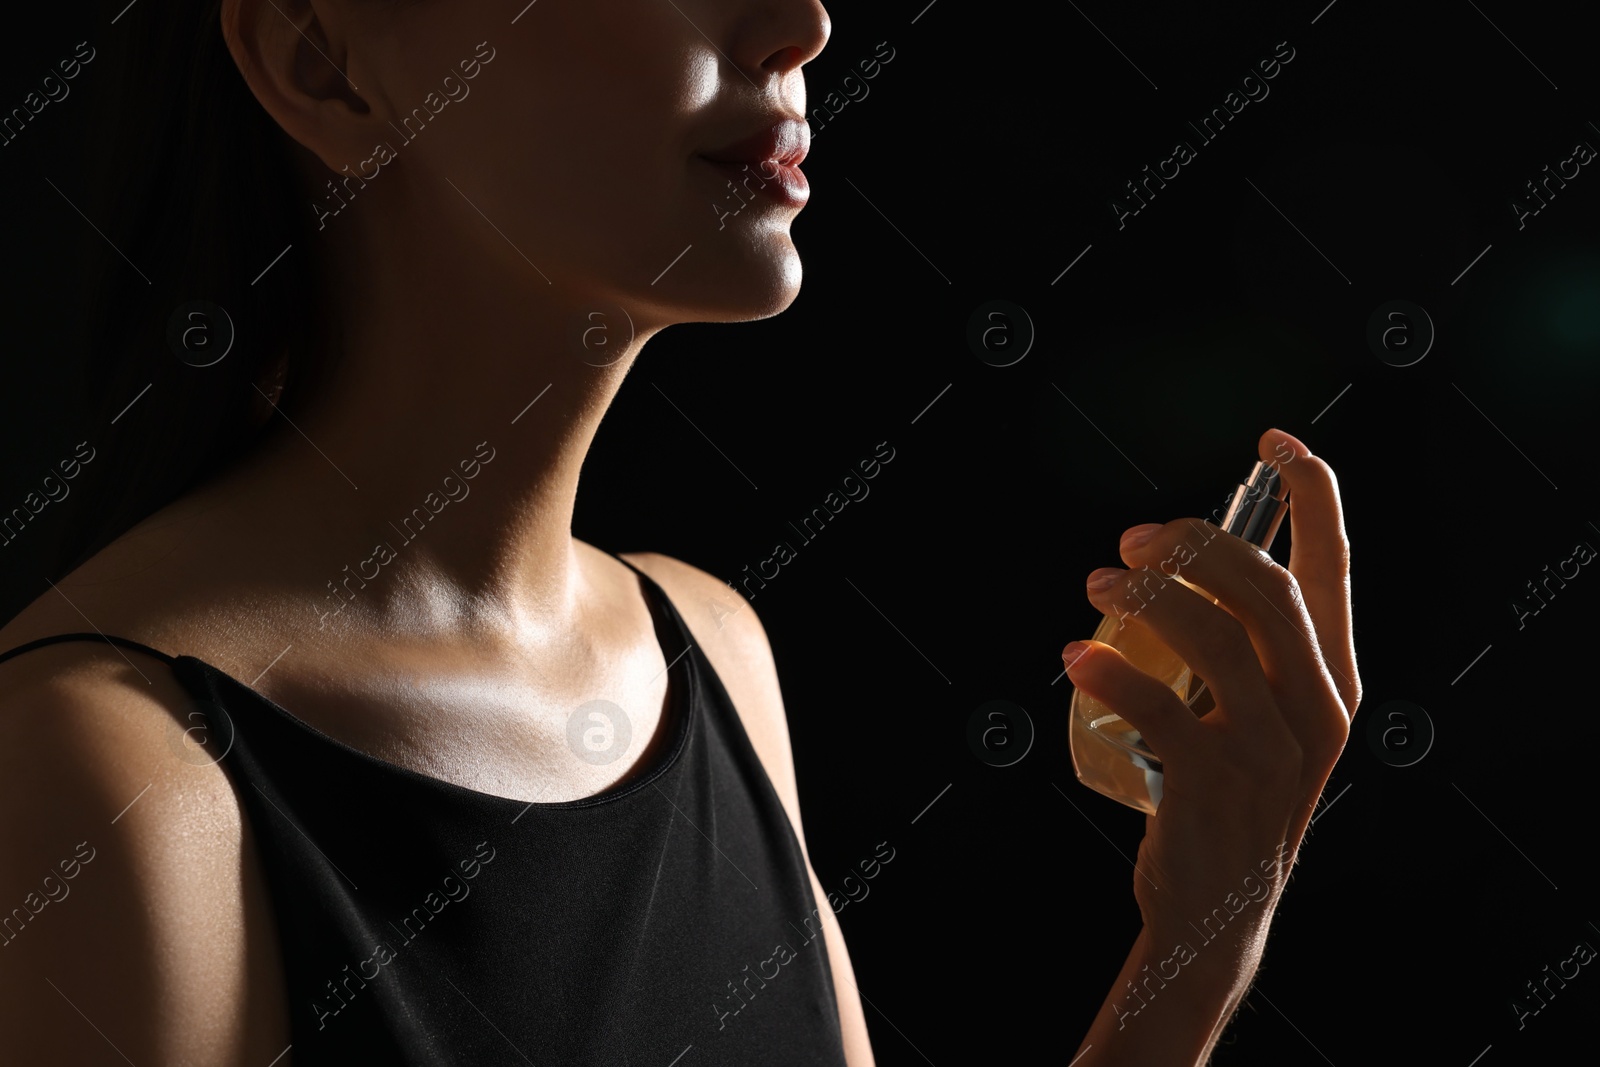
{"points": [[1108, 754]]}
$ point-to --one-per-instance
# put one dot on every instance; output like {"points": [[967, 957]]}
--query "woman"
{"points": [[533, 802]]}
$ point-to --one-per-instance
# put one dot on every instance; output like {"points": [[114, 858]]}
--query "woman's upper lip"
{"points": [[782, 140]]}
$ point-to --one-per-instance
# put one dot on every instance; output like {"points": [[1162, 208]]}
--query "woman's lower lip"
{"points": [[782, 182]]}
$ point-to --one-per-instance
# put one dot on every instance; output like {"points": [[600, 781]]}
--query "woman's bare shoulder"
{"points": [[87, 725], [125, 879], [126, 874]]}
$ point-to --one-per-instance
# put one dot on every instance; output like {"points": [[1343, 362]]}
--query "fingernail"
{"points": [[1140, 534], [1104, 578], [1070, 654]]}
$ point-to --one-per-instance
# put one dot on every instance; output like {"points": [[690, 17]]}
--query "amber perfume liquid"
{"points": [[1108, 753]]}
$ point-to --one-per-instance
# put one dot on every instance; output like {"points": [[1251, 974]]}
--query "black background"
{"points": [[981, 164]]}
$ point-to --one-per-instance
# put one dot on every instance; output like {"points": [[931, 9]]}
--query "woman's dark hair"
{"points": [[201, 197]]}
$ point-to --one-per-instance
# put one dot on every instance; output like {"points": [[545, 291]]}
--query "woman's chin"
{"points": [[736, 288]]}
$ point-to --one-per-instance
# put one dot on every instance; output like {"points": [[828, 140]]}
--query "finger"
{"points": [[1319, 553], [1206, 637], [1257, 596], [1150, 706]]}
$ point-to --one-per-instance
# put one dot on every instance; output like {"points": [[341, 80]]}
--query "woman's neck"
{"points": [[429, 483]]}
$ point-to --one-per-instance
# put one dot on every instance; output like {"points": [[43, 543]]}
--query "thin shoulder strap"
{"points": [[652, 588], [654, 595], [650, 582], [123, 641], [620, 560]]}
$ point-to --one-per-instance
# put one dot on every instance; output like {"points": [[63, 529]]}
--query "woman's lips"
{"points": [[784, 183]]}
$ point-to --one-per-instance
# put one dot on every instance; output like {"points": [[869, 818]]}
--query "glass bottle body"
{"points": [[1108, 752]]}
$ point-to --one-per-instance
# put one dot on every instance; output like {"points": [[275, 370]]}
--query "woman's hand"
{"points": [[1240, 783]]}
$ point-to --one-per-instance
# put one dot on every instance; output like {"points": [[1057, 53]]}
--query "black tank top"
{"points": [[669, 920]]}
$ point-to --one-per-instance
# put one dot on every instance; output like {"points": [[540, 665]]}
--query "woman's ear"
{"points": [[300, 60]]}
